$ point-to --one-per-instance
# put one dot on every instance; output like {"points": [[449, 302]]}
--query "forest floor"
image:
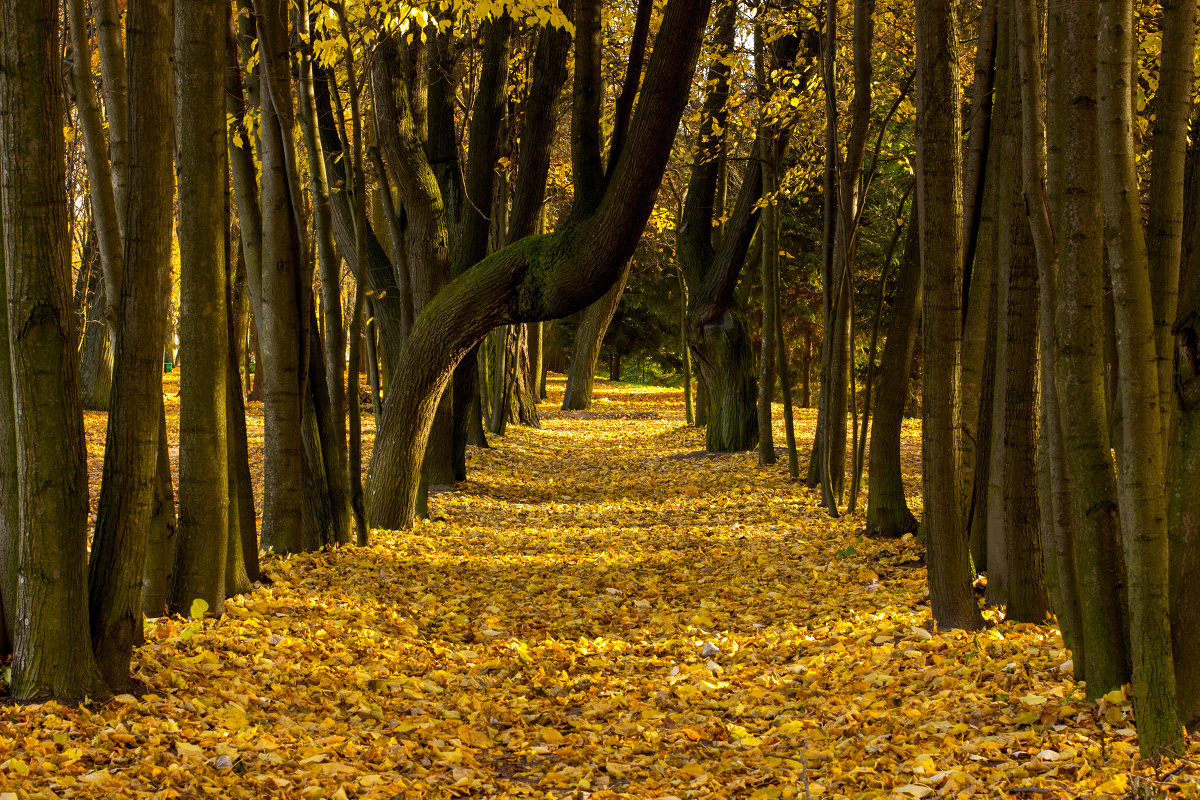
{"points": [[600, 611]]}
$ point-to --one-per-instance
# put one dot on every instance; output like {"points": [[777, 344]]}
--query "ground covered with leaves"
{"points": [[600, 611]]}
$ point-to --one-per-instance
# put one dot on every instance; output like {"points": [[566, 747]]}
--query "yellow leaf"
{"points": [[199, 607]]}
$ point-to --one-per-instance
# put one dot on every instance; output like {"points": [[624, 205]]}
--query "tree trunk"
{"points": [[1164, 232], [979, 271], [361, 528], [1141, 471], [1027, 596], [241, 552], [768, 263], [280, 327], [1182, 519], [131, 446], [589, 335], [333, 336], [198, 568], [160, 547], [51, 657], [10, 518], [939, 186], [845, 242], [96, 348], [492, 294], [887, 509]]}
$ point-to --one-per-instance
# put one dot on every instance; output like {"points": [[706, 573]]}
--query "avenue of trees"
{"points": [[986, 211]]}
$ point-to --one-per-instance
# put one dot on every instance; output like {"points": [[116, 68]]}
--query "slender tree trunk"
{"points": [[160, 547], [589, 335], [769, 231], [333, 336], [114, 72], [241, 551], [860, 443], [361, 527], [10, 518], [978, 239], [845, 243], [131, 447], [887, 509], [1164, 233], [280, 328], [1028, 599], [1141, 471], [96, 348], [51, 657], [1182, 519], [201, 551], [939, 188]]}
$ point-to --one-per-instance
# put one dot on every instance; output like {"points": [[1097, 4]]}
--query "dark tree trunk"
{"points": [[887, 509], [492, 293], [939, 196], [10, 519], [131, 449], [160, 547], [51, 656], [1182, 517], [589, 335], [1141, 468], [96, 347], [201, 551]]}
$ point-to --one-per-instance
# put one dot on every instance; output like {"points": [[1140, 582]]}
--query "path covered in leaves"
{"points": [[599, 612]]}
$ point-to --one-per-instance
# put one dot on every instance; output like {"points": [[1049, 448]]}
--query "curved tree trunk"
{"points": [[571, 268]]}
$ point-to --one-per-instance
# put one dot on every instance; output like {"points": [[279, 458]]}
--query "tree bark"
{"points": [[131, 446], [1182, 518], [589, 335], [1164, 231], [284, 363], [1032, 278], [939, 186], [201, 541], [978, 235], [51, 657], [96, 347], [1141, 471], [10, 518], [887, 510]]}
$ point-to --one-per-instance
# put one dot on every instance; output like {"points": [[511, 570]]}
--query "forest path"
{"points": [[545, 635]]}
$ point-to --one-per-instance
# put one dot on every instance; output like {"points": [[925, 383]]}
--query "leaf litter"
{"points": [[591, 616]]}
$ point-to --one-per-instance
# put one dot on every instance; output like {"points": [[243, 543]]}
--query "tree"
{"points": [[51, 656], [939, 196], [596, 318], [141, 289], [887, 510], [198, 570], [1140, 459], [535, 278]]}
